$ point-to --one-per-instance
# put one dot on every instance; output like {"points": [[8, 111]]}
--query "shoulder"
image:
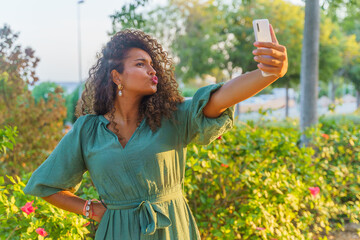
{"points": [[87, 118], [85, 122], [182, 108], [184, 105]]}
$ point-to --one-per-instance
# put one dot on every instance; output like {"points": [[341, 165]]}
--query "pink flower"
{"points": [[41, 232], [260, 228], [86, 224], [28, 208], [314, 191], [224, 165], [219, 137]]}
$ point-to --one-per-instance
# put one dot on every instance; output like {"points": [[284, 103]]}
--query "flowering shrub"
{"points": [[256, 182], [27, 217]]}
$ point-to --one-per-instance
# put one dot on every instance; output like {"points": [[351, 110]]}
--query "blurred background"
{"points": [[253, 181], [210, 41]]}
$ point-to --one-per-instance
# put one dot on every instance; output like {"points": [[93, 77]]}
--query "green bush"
{"points": [[338, 148], [7, 139], [16, 224], [254, 182]]}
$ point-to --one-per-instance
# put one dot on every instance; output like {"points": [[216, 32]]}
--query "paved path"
{"points": [[294, 111]]}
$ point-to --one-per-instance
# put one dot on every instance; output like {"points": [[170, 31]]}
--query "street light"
{"points": [[79, 44]]}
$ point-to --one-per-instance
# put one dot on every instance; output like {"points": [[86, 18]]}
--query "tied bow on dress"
{"points": [[152, 217], [152, 214]]}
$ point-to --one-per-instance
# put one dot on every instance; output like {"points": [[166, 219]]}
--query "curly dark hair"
{"points": [[100, 91]]}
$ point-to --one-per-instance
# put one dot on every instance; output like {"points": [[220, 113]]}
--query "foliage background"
{"points": [[251, 183]]}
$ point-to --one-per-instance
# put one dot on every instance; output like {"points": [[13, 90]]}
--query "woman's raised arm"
{"points": [[249, 84]]}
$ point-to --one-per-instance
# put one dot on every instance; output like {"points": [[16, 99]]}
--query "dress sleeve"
{"points": [[198, 128], [63, 169]]}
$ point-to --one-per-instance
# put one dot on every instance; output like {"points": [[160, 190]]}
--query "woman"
{"points": [[132, 136]]}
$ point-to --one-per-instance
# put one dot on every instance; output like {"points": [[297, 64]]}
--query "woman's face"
{"points": [[137, 77]]}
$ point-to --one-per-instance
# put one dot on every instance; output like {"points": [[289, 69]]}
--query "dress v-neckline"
{"points": [[116, 137]]}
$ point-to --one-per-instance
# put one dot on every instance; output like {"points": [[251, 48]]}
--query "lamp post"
{"points": [[79, 43]]}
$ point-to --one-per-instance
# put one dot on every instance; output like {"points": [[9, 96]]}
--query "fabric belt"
{"points": [[151, 215]]}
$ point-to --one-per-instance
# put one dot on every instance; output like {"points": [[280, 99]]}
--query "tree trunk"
{"points": [[309, 67], [287, 100], [357, 99]]}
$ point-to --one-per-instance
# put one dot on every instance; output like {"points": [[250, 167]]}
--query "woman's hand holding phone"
{"points": [[278, 63]]}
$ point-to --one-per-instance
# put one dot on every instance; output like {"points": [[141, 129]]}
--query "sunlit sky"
{"points": [[51, 29]]}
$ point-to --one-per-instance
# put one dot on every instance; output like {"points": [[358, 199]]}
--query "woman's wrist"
{"points": [[88, 209]]}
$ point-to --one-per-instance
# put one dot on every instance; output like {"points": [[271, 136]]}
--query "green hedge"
{"points": [[252, 183], [17, 224]]}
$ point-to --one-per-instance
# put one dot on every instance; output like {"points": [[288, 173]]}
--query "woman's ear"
{"points": [[115, 76]]}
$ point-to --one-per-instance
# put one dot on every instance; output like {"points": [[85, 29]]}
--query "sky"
{"points": [[51, 29]]}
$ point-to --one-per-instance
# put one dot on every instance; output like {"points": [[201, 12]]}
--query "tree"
{"points": [[346, 14], [309, 67], [350, 24], [200, 45], [354, 75], [39, 124], [351, 69], [310, 60], [128, 17], [43, 90], [331, 53]]}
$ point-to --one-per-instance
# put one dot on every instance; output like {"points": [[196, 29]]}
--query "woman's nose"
{"points": [[152, 71]]}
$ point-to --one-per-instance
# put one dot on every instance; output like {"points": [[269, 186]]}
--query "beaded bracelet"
{"points": [[87, 208]]}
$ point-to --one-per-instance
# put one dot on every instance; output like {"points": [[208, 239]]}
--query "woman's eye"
{"points": [[140, 64]]}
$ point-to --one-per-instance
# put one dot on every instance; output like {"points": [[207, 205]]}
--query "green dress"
{"points": [[141, 184]]}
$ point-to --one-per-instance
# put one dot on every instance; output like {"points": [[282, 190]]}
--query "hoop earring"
{"points": [[120, 87]]}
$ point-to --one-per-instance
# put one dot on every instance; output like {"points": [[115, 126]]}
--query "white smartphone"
{"points": [[262, 34]]}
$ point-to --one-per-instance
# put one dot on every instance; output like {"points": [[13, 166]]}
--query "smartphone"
{"points": [[262, 34]]}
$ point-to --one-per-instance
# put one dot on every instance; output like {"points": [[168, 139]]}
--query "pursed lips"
{"points": [[154, 79]]}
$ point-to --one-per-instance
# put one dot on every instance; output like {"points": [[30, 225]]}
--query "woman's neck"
{"points": [[126, 112]]}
